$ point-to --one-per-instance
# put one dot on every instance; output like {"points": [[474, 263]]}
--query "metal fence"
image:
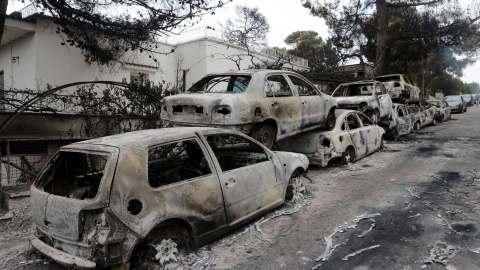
{"points": [[22, 160]]}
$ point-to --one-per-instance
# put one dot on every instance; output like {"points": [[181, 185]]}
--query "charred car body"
{"points": [[402, 121], [425, 114], [265, 104], [457, 103], [354, 136], [443, 110], [369, 97], [400, 88], [95, 201]]}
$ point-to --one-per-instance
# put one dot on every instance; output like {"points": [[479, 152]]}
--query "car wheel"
{"points": [[296, 191], [382, 143], [330, 122], [162, 252], [416, 126], [265, 134], [393, 133], [348, 155], [434, 122]]}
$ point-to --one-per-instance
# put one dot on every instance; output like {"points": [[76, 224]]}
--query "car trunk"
{"points": [[192, 108], [73, 186]]}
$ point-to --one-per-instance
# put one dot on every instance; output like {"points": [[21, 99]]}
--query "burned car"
{"points": [[354, 136], [400, 88], [100, 202], [401, 123], [369, 97], [457, 103], [265, 104], [425, 114], [443, 109]]}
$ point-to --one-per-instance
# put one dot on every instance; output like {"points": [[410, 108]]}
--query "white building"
{"points": [[32, 57]]}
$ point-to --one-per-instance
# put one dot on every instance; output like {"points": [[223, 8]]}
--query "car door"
{"points": [[373, 138], [403, 120], [312, 103], [384, 99], [247, 176], [284, 104], [358, 135]]}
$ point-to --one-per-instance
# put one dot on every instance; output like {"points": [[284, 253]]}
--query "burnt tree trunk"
{"points": [[3, 15], [382, 37]]}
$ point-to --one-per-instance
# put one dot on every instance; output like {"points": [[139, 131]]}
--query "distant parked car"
{"points": [[268, 105], [457, 103], [401, 122], [102, 202], [400, 88], [443, 109], [425, 114], [354, 136], [369, 97], [468, 99]]}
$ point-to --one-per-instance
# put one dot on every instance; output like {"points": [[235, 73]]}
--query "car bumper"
{"points": [[60, 257], [245, 128]]}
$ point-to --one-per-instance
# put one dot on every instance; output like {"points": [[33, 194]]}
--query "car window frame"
{"points": [[315, 90], [205, 151], [292, 90]]}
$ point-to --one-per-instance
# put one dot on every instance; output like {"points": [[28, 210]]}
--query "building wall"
{"points": [[20, 74]]}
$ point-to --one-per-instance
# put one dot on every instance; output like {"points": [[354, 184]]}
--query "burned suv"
{"points": [[98, 202], [268, 105]]}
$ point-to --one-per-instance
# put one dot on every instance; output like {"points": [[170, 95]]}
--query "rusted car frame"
{"points": [[443, 110], [354, 136], [401, 123], [265, 104], [425, 114], [97, 202], [369, 97], [400, 88]]}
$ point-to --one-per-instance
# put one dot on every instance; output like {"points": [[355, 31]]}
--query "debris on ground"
{"points": [[256, 227], [369, 230], [358, 252], [441, 252], [341, 228], [416, 215], [446, 222], [411, 190], [167, 253], [434, 176]]}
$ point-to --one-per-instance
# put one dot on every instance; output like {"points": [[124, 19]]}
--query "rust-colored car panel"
{"points": [[98, 199], [247, 99], [354, 134], [369, 97]]}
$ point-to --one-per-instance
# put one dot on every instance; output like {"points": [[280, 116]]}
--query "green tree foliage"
{"points": [[105, 30], [321, 55], [408, 26]]}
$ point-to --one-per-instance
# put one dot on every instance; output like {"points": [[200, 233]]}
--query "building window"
{"points": [[139, 77]]}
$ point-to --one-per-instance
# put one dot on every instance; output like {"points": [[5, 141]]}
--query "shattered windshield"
{"points": [[74, 175], [221, 84], [388, 79]]}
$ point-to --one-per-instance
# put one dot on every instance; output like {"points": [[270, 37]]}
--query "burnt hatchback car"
{"points": [[265, 104], [369, 97], [98, 202], [354, 136]]}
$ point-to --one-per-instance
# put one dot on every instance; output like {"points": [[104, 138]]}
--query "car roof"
{"points": [[145, 138], [389, 75], [360, 82], [251, 72]]}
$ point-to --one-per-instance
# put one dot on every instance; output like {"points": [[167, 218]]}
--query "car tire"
{"points": [[330, 121], [416, 126], [296, 191], [434, 122], [348, 155], [382, 143], [265, 134]]}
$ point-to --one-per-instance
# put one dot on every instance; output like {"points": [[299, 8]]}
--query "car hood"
{"points": [[454, 103]]}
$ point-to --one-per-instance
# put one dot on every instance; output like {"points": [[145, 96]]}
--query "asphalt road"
{"points": [[414, 205]]}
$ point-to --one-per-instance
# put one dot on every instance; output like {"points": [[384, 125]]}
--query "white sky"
{"points": [[284, 18]]}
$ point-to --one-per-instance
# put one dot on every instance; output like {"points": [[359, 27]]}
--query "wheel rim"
{"points": [[265, 136]]}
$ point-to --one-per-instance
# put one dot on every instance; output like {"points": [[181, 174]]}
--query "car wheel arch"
{"points": [[187, 230]]}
